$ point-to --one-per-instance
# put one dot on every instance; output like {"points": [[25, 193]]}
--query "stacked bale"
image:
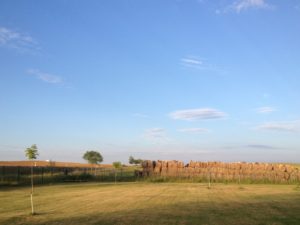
{"points": [[148, 167], [171, 168], [164, 168], [158, 167], [180, 169], [219, 171]]}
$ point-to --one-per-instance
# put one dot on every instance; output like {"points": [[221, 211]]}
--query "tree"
{"points": [[134, 161], [117, 165], [31, 154], [93, 157], [131, 160]]}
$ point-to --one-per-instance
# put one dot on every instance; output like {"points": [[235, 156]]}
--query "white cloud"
{"points": [[193, 130], [260, 146], [197, 114], [191, 61], [155, 133], [46, 77], [265, 110], [243, 5], [250, 146], [14, 39], [156, 136], [287, 126], [197, 63]]}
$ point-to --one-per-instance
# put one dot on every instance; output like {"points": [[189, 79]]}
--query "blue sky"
{"points": [[189, 80]]}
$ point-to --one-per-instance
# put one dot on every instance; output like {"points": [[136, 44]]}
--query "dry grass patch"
{"points": [[148, 203]]}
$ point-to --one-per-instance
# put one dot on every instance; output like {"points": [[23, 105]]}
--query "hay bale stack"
{"points": [[237, 171], [164, 168], [192, 164], [180, 164], [172, 168], [148, 167], [180, 168], [197, 164], [158, 168]]}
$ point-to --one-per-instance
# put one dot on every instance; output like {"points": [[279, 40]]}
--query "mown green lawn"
{"points": [[152, 203]]}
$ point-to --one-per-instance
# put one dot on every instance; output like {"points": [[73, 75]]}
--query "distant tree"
{"points": [[134, 161], [117, 165], [93, 157], [131, 160], [31, 154]]}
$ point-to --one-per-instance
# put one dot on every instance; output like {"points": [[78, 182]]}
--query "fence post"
{"points": [[121, 177], [3, 173], [209, 179], [18, 174], [42, 175]]}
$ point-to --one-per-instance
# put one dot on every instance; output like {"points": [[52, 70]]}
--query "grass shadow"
{"points": [[271, 209]]}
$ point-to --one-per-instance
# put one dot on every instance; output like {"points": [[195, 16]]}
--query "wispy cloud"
{"points": [[197, 114], [191, 62], [251, 146], [193, 130], [46, 77], [286, 126], [243, 5], [265, 110], [20, 41], [194, 62], [156, 135], [260, 146]]}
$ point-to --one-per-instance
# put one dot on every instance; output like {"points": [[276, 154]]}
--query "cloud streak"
{"points": [[259, 146], [155, 133], [197, 114], [265, 110], [13, 39], [46, 77], [244, 5], [288, 126], [191, 62], [197, 63], [193, 130]]}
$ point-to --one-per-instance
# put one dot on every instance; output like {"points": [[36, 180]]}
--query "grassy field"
{"points": [[152, 203]]}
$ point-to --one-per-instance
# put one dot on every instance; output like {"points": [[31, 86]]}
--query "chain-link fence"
{"points": [[46, 175]]}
